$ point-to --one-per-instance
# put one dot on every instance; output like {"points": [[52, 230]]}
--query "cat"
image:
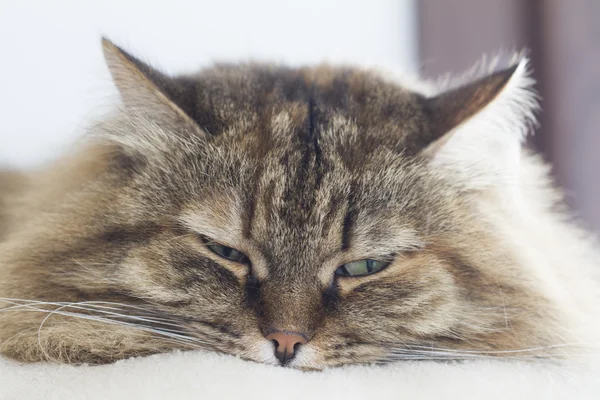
{"points": [[305, 217]]}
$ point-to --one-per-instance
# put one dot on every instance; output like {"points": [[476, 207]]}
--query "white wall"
{"points": [[52, 76]]}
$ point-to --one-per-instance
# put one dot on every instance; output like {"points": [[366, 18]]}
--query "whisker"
{"points": [[416, 352], [90, 305], [511, 351], [109, 317], [116, 322]]}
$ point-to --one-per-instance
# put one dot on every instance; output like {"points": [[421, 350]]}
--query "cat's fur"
{"points": [[302, 170]]}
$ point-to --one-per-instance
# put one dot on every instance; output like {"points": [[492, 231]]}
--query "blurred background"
{"points": [[52, 76]]}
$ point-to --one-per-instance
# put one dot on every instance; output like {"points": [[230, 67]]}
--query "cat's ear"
{"points": [[477, 129], [149, 92]]}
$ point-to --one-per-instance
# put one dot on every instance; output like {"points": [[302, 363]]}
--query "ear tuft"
{"points": [[453, 107], [485, 148]]}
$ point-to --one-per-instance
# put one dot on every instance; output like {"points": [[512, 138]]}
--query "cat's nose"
{"points": [[286, 344]]}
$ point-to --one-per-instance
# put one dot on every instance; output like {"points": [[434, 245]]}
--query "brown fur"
{"points": [[302, 170]]}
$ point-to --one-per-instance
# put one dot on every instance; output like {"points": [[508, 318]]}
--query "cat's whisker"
{"points": [[454, 359], [412, 352], [167, 333], [155, 320], [109, 317], [95, 304], [434, 354], [512, 351], [163, 321], [404, 358], [459, 355]]}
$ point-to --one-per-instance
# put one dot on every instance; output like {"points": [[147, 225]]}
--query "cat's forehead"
{"points": [[311, 199], [264, 108], [309, 144], [306, 155]]}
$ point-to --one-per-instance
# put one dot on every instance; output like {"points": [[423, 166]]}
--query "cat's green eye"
{"points": [[361, 268], [227, 252]]}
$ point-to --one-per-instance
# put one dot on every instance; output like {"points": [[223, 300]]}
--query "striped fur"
{"points": [[302, 170]]}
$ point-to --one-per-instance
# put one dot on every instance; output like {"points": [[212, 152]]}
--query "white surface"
{"points": [[53, 78], [211, 376]]}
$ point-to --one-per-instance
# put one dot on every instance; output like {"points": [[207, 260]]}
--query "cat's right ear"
{"points": [[150, 93]]}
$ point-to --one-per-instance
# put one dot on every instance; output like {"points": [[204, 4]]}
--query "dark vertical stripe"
{"points": [[347, 227], [314, 135], [267, 203], [249, 217], [311, 115], [251, 198]]}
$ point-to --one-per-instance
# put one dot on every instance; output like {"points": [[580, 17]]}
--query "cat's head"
{"points": [[316, 216]]}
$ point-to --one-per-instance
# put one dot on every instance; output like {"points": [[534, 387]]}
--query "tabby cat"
{"points": [[307, 217]]}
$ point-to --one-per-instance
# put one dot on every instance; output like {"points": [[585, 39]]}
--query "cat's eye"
{"points": [[361, 267], [227, 252]]}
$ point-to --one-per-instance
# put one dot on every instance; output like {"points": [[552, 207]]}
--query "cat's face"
{"points": [[295, 216], [259, 228]]}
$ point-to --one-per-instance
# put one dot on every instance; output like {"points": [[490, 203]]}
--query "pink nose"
{"points": [[286, 344]]}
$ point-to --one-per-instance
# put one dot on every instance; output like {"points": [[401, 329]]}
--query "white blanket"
{"points": [[212, 376]]}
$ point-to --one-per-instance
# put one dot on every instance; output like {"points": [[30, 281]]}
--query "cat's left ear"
{"points": [[477, 129], [148, 91]]}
